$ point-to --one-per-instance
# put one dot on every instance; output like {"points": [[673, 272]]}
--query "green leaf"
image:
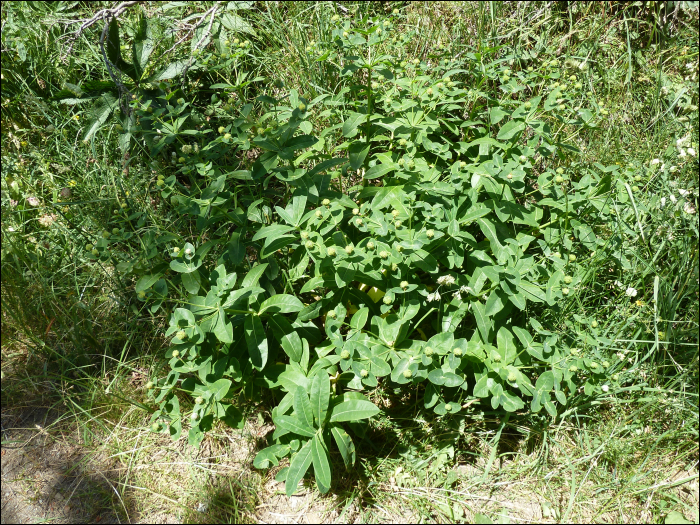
{"points": [[292, 346], [295, 425], [495, 303], [220, 388], [320, 396], [511, 129], [353, 410], [483, 322], [379, 171], [301, 461], [675, 517], [322, 467], [351, 123], [233, 22], [357, 152], [171, 71], [223, 329], [191, 281], [267, 457], [253, 276], [274, 230], [359, 319], [257, 341], [345, 445], [99, 115], [145, 282], [281, 303], [302, 407]]}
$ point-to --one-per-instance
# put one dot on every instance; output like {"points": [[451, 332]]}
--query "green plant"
{"points": [[458, 225]]}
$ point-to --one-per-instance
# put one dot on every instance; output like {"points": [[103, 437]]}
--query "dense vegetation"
{"points": [[395, 221]]}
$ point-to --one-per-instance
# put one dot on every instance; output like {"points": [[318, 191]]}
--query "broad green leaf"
{"points": [[353, 410], [322, 467], [253, 276], [192, 281], [256, 340], [533, 292], [495, 303], [302, 407], [320, 396], [220, 388], [345, 445], [294, 424], [351, 123], [281, 303], [359, 319], [267, 457], [510, 129], [379, 171], [301, 461], [145, 282], [357, 152], [170, 71], [292, 346], [274, 230], [223, 329]]}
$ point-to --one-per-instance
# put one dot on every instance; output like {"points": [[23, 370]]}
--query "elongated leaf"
{"points": [[483, 322], [322, 467], [353, 410], [253, 276], [510, 129], [379, 171], [223, 329], [170, 71], [145, 282], [256, 340], [320, 396], [345, 445], [302, 407], [274, 230], [301, 461], [295, 425], [281, 303], [220, 388], [359, 319], [357, 152], [292, 346]]}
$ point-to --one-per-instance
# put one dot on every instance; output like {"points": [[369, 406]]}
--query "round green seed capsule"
{"points": [[565, 291], [572, 257], [176, 353], [155, 427], [512, 377], [430, 234], [407, 374], [387, 300], [428, 351], [568, 279], [345, 354], [594, 324], [448, 407], [331, 251], [457, 351], [199, 400], [364, 373], [573, 369], [181, 335], [370, 245], [332, 314]]}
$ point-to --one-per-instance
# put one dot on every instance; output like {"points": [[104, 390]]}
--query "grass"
{"points": [[75, 343]]}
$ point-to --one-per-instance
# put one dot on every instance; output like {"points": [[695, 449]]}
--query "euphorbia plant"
{"points": [[423, 275]]}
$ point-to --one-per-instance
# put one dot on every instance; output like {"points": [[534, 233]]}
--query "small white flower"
{"points": [[605, 388], [618, 284], [673, 198], [457, 296], [621, 356], [690, 65], [654, 162], [663, 166], [466, 289], [673, 169], [691, 152], [446, 279], [430, 298], [631, 292], [689, 208], [32, 201], [663, 201], [681, 152], [683, 192]]}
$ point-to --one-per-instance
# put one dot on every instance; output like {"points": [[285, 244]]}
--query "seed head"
{"points": [[558, 179], [176, 353], [149, 385], [188, 251], [404, 284], [332, 314], [383, 254], [407, 374], [428, 351], [448, 407], [457, 351], [349, 249], [181, 335], [319, 214], [497, 358], [594, 324], [331, 251], [309, 244], [565, 291], [364, 373], [572, 257], [568, 279], [345, 354], [430, 234], [326, 202], [397, 224], [512, 377], [199, 400], [356, 211], [370, 245], [304, 235], [387, 300], [573, 369]]}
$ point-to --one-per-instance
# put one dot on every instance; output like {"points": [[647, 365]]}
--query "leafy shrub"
{"points": [[429, 271]]}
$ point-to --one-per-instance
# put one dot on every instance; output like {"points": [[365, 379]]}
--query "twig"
{"points": [[192, 28], [100, 15], [204, 36]]}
